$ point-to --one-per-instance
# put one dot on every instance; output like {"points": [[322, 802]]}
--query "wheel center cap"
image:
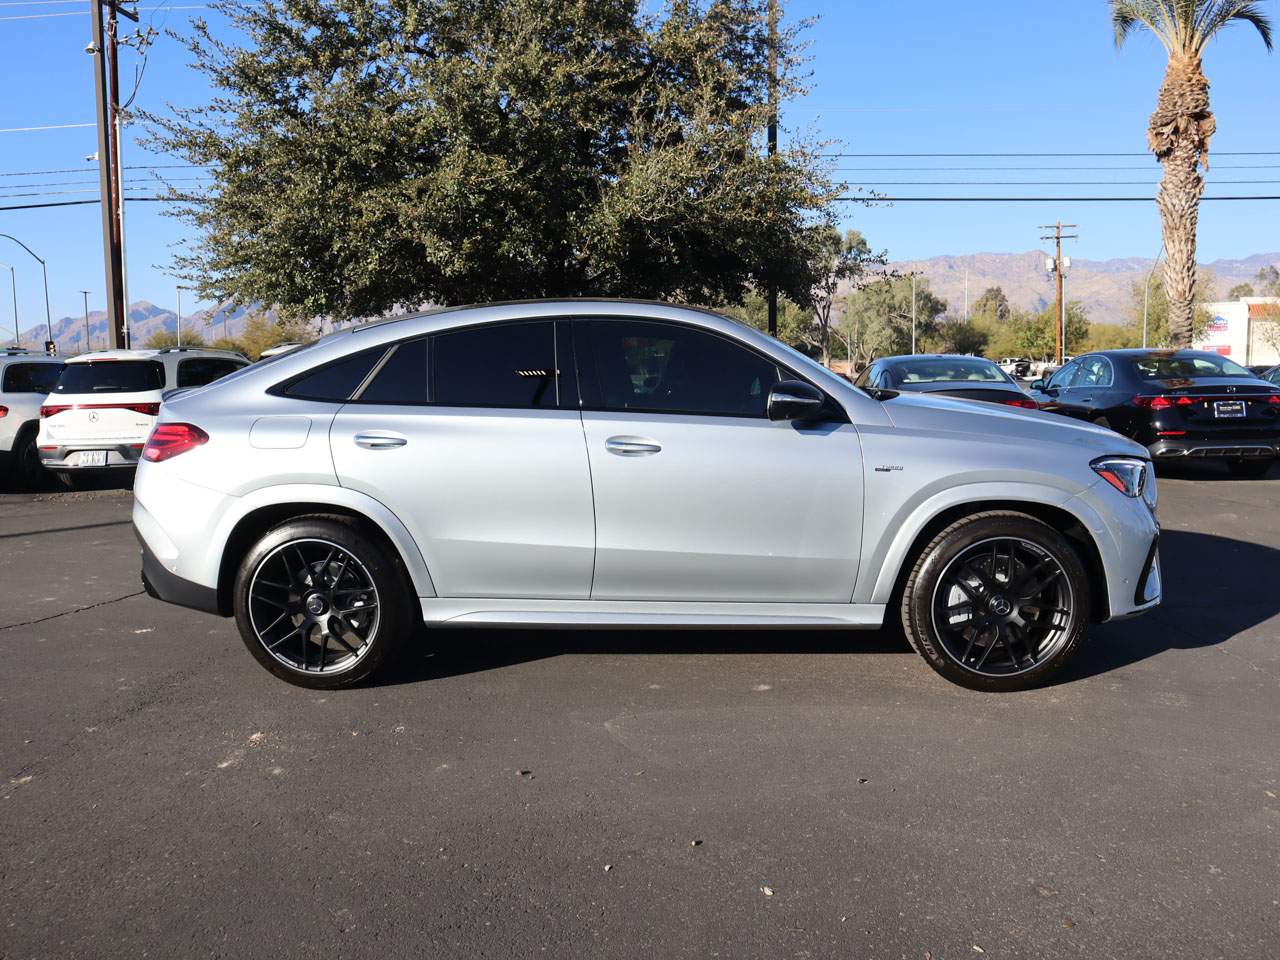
{"points": [[1000, 605], [316, 605]]}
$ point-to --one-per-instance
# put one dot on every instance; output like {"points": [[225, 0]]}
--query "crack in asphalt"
{"points": [[67, 613]]}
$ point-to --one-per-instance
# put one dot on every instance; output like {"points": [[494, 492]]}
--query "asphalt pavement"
{"points": [[638, 794]]}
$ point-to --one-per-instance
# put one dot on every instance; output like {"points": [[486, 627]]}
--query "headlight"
{"points": [[1126, 474]]}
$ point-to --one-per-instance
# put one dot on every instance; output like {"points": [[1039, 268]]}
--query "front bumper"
{"points": [[120, 456]]}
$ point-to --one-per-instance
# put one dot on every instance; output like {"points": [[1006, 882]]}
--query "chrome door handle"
{"points": [[632, 446], [378, 441]]}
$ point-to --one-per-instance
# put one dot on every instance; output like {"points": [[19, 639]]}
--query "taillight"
{"points": [[1162, 402], [4, 412], [146, 409], [1274, 399], [168, 440], [1025, 403]]}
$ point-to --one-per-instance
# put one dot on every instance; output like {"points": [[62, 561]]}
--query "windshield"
{"points": [[1166, 367], [111, 376], [948, 369]]}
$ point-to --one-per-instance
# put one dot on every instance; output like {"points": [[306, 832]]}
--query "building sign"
{"points": [[1219, 324]]}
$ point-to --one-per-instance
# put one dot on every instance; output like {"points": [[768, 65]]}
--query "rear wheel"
{"points": [[322, 605], [997, 601], [1250, 469]]}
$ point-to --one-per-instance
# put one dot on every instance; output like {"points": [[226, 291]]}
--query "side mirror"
{"points": [[795, 400], [1038, 385]]}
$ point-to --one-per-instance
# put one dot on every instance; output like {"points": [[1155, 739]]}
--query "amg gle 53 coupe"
{"points": [[609, 464]]}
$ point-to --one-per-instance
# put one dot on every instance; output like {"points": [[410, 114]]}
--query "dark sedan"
{"points": [[1178, 403], [971, 378]]}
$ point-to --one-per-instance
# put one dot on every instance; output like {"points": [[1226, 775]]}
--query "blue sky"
{"points": [[1000, 76]]}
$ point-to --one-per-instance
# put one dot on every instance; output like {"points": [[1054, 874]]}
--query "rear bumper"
{"points": [[1169, 448], [120, 456], [164, 585]]}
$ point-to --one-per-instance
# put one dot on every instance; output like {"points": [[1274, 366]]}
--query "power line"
{"points": [[133, 166], [1032, 183], [80, 13], [1003, 169], [875, 199], [48, 126], [1216, 153]]}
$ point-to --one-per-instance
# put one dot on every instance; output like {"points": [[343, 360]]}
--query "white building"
{"points": [[1246, 330]]}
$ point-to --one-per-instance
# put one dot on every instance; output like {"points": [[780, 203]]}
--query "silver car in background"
{"points": [[627, 464]]}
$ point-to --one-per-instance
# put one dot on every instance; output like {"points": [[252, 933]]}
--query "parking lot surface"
{"points": [[637, 794]]}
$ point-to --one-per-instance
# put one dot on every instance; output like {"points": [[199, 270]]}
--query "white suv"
{"points": [[104, 405], [25, 378]]}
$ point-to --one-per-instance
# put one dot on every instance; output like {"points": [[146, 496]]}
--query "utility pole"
{"points": [[773, 140], [106, 81], [87, 345], [1059, 268], [913, 314], [13, 282]]}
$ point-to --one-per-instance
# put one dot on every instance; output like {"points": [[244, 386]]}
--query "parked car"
{"points": [[25, 378], [1018, 367], [104, 404], [971, 378], [1176, 403], [1259, 370], [1272, 376], [623, 464]]}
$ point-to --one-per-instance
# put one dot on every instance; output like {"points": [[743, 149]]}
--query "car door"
{"points": [[1052, 397], [698, 495], [472, 437], [1080, 398]]}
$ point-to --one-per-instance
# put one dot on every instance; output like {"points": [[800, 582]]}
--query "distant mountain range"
{"points": [[1103, 286]]}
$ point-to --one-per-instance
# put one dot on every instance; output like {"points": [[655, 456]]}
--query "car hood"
{"points": [[988, 423]]}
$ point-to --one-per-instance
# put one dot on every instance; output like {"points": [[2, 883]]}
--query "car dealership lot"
{"points": [[637, 793]]}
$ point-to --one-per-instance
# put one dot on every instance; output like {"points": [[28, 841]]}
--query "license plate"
{"points": [[93, 458], [1228, 408]]}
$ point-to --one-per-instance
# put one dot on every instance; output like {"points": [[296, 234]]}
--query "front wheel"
{"points": [[997, 601], [322, 605]]}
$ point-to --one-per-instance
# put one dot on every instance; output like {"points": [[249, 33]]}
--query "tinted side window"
{"points": [[403, 378], [30, 377], [336, 381], [1094, 372], [502, 365], [1065, 376], [669, 368], [197, 371]]}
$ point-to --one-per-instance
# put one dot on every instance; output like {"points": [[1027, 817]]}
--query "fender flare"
{"points": [[891, 554], [323, 495]]}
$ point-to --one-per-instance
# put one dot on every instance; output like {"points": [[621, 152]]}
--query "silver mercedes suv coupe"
{"points": [[593, 463]]}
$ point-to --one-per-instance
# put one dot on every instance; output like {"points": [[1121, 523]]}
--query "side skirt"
{"points": [[466, 611]]}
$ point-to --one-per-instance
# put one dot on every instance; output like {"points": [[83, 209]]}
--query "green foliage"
{"points": [[993, 306], [880, 315], [847, 260], [1186, 26], [372, 154], [797, 326], [1157, 309], [956, 335], [262, 333], [1269, 282], [1112, 336], [1240, 290], [169, 338]]}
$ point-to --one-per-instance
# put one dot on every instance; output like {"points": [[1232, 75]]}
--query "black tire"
{"points": [[960, 649], [27, 472], [1250, 469], [387, 605]]}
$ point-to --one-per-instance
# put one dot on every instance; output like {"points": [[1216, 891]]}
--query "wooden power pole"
{"points": [[773, 143], [1059, 267], [106, 82]]}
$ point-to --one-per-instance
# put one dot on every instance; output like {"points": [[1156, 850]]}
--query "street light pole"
{"points": [[13, 282], [1146, 295], [913, 314], [87, 344], [48, 317]]}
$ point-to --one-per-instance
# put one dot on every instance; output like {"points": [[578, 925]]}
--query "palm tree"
{"points": [[1182, 125]]}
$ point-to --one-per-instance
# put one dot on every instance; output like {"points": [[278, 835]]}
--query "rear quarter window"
{"points": [[197, 371], [333, 382], [30, 377]]}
